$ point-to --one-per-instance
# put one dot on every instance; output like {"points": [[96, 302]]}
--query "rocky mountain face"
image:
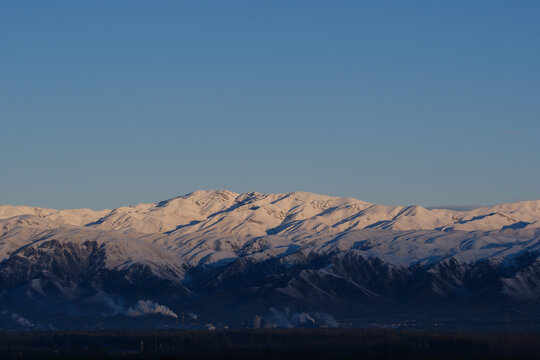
{"points": [[291, 259]]}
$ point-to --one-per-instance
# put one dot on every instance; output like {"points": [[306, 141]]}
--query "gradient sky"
{"points": [[111, 103]]}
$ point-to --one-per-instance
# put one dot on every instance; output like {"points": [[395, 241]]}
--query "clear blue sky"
{"points": [[110, 103]]}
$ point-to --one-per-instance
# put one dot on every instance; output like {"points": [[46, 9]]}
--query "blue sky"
{"points": [[110, 103]]}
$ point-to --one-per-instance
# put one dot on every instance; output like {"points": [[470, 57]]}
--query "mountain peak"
{"points": [[255, 214]]}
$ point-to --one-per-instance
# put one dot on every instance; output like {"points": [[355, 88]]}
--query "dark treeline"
{"points": [[268, 344]]}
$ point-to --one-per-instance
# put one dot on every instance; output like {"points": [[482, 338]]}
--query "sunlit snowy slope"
{"points": [[213, 251]]}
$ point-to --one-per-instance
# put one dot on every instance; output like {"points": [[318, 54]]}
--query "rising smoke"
{"points": [[148, 307], [18, 319], [290, 319]]}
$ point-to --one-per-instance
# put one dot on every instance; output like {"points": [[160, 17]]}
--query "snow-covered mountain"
{"points": [[229, 256]]}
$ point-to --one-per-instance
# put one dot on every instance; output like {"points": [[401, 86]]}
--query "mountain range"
{"points": [[292, 259]]}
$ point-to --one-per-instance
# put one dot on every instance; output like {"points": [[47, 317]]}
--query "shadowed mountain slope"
{"points": [[213, 251]]}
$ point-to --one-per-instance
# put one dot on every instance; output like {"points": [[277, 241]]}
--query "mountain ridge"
{"points": [[183, 211], [212, 251]]}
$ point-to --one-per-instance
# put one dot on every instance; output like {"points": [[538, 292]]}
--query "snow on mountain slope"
{"points": [[78, 217], [18, 231], [216, 249], [296, 214], [411, 218], [122, 249], [215, 226]]}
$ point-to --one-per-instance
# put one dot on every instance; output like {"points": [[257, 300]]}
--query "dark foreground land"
{"points": [[268, 344]]}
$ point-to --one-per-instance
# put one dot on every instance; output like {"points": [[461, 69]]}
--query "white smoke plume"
{"points": [[18, 318], [288, 319], [280, 319], [148, 307], [302, 318], [192, 316], [326, 319]]}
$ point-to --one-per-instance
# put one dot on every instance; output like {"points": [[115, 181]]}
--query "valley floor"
{"points": [[269, 344]]}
